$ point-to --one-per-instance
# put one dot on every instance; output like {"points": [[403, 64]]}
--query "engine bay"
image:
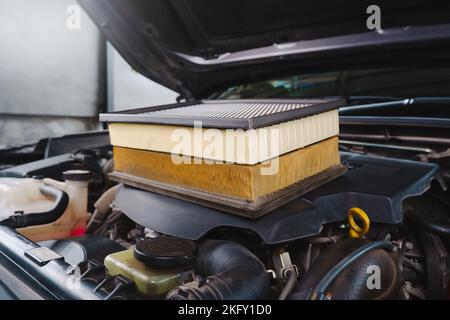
{"points": [[384, 216]]}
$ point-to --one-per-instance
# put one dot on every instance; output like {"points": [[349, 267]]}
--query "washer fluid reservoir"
{"points": [[22, 195]]}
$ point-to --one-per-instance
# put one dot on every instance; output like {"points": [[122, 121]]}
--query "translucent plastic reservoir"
{"points": [[150, 282], [23, 195]]}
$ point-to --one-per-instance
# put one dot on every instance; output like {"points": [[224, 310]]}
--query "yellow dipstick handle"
{"points": [[355, 231]]}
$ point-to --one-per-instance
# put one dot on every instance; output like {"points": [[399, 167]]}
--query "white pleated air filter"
{"points": [[298, 123]]}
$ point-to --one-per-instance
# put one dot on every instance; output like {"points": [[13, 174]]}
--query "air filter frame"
{"points": [[167, 115]]}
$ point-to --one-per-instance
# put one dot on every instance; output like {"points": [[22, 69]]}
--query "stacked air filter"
{"points": [[242, 157]]}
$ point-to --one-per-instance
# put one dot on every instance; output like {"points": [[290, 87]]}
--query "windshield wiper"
{"points": [[396, 103], [372, 99]]}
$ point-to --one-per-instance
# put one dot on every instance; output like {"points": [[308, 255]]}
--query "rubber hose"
{"points": [[230, 272], [319, 291], [102, 209], [35, 219]]}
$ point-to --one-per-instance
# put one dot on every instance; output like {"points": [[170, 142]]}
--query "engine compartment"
{"points": [[287, 254]]}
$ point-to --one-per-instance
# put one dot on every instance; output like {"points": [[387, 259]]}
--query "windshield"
{"points": [[379, 84]]}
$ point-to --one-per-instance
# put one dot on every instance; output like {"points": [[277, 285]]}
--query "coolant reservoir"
{"points": [[23, 195], [156, 265]]}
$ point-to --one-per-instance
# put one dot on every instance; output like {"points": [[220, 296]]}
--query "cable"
{"points": [[429, 224], [291, 283]]}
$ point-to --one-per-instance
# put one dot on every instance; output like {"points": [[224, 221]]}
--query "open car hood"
{"points": [[196, 47]]}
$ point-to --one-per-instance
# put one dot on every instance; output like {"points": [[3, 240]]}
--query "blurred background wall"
{"points": [[54, 80], [128, 89]]}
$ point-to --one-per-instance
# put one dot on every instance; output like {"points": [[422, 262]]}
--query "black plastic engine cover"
{"points": [[377, 185]]}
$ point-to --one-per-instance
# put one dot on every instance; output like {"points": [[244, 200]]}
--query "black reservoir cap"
{"points": [[166, 252]]}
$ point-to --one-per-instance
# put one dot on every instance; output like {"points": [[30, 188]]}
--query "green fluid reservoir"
{"points": [[151, 282]]}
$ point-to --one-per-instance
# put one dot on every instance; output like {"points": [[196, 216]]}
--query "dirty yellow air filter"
{"points": [[242, 157], [240, 189]]}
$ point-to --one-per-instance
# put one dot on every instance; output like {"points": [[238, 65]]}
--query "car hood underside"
{"points": [[197, 47]]}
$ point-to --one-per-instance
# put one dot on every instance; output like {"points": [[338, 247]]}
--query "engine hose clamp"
{"points": [[355, 230]]}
